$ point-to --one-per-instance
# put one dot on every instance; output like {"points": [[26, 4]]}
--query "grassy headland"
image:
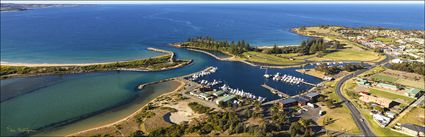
{"points": [[325, 45], [162, 62]]}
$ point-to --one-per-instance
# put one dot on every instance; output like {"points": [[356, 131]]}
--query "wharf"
{"points": [[189, 75], [307, 83], [275, 91]]}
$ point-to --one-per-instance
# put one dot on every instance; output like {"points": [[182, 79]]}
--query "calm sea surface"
{"points": [[98, 33]]}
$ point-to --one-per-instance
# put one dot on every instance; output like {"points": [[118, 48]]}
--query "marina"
{"points": [[84, 96], [288, 79], [220, 92]]}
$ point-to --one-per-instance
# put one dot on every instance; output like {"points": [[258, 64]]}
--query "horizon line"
{"points": [[211, 2]]}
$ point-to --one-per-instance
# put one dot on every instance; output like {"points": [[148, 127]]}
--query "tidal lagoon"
{"points": [[101, 33]]}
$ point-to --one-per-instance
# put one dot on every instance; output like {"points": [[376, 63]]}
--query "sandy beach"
{"points": [[49, 64], [182, 84]]}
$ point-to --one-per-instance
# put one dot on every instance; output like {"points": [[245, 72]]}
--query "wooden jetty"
{"points": [[307, 83], [275, 91]]}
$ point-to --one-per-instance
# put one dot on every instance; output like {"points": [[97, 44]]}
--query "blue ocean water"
{"points": [[97, 33]]}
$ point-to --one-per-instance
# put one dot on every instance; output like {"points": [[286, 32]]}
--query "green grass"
{"points": [[414, 116], [380, 77], [389, 95], [341, 115], [350, 55], [373, 71], [385, 40], [410, 83], [270, 58]]}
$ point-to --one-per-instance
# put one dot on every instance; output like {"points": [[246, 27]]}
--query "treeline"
{"points": [[218, 121], [413, 67], [208, 43], [307, 47], [235, 123], [330, 70], [150, 63]]}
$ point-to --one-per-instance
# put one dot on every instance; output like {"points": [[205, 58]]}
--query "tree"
{"points": [[308, 132], [137, 133], [294, 128], [329, 103]]}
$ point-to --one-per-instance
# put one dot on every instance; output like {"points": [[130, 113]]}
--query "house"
{"points": [[391, 114], [327, 78], [288, 102], [204, 89], [218, 93], [311, 105], [413, 92], [396, 61], [225, 99], [381, 119], [313, 96], [413, 130], [363, 82], [387, 86], [301, 101], [205, 96], [378, 100]]}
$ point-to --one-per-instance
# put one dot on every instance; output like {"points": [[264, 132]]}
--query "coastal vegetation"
{"points": [[198, 108], [330, 70], [149, 64], [321, 47], [413, 67], [208, 43], [257, 121]]}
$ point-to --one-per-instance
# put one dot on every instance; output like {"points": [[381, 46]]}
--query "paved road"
{"points": [[357, 116]]}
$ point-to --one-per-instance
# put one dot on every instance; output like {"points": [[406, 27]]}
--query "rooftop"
{"points": [[312, 94], [414, 127], [225, 98], [413, 91], [288, 101]]}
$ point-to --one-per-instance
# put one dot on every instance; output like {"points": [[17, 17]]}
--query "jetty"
{"points": [[275, 91], [172, 59], [307, 83]]}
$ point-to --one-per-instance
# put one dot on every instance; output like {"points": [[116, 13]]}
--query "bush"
{"points": [[198, 108]]}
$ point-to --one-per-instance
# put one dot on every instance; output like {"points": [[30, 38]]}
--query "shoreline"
{"points": [[253, 64], [16, 64], [140, 87], [95, 67], [182, 84]]}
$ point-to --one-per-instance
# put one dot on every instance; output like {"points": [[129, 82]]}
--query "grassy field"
{"points": [[350, 55], [341, 115], [389, 95], [381, 77], [385, 40], [155, 122], [410, 83], [353, 51], [414, 116], [270, 58], [341, 118]]}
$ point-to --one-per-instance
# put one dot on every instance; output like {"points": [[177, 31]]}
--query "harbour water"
{"points": [[98, 33]]}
